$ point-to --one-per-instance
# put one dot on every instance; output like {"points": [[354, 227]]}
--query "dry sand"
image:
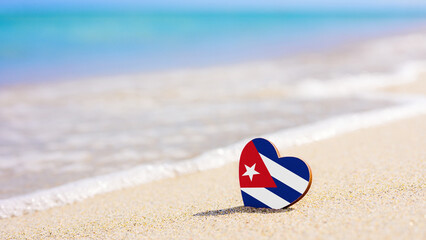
{"points": [[367, 184]]}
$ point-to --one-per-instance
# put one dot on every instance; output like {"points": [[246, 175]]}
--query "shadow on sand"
{"points": [[242, 209]]}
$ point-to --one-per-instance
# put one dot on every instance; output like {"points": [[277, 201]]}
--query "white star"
{"points": [[250, 171]]}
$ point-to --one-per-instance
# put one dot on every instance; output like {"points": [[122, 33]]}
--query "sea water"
{"points": [[37, 45], [66, 140]]}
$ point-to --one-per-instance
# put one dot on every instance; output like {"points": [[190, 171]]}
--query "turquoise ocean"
{"points": [[40, 45]]}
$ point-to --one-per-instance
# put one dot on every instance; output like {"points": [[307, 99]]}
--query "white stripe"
{"points": [[266, 197], [285, 176]]}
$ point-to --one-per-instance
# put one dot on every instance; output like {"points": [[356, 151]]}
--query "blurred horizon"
{"points": [[218, 5]]}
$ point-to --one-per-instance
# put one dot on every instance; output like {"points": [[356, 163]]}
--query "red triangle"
{"points": [[249, 157]]}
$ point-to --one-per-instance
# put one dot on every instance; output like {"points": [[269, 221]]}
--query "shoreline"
{"points": [[362, 192], [83, 189]]}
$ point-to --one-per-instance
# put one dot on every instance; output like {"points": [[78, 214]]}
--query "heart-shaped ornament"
{"points": [[270, 181]]}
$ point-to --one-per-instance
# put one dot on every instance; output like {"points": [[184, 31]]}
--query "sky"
{"points": [[208, 4]]}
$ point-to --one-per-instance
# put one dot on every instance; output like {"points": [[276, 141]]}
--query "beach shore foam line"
{"points": [[362, 82], [86, 188]]}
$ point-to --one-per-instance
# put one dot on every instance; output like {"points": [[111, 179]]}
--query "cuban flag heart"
{"points": [[270, 181]]}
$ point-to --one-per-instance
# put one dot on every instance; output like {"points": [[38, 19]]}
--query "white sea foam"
{"points": [[350, 84], [83, 189]]}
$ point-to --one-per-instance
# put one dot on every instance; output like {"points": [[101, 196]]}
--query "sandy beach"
{"points": [[367, 184], [127, 121]]}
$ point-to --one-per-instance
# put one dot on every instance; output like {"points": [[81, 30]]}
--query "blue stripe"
{"points": [[293, 164], [285, 192], [264, 147], [250, 201]]}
